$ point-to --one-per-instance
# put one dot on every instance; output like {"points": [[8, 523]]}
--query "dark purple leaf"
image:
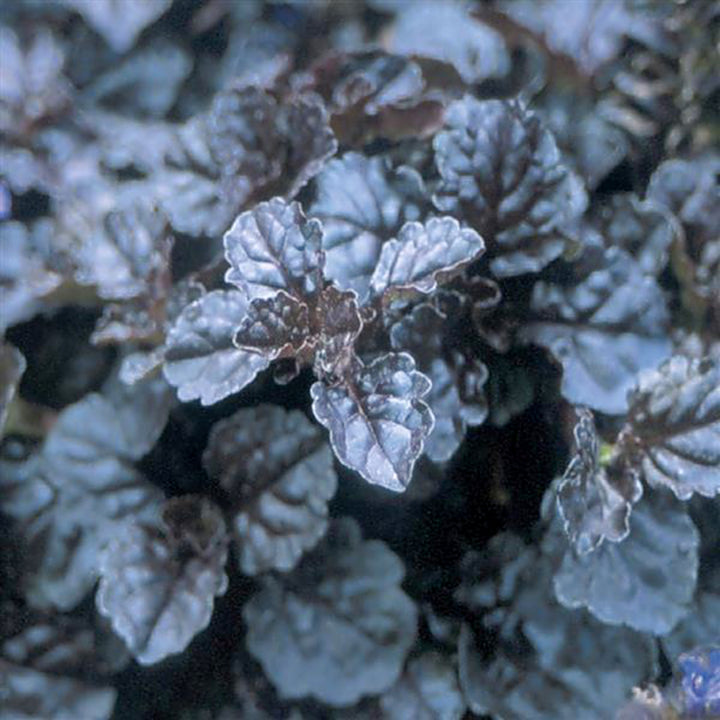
{"points": [[120, 22], [424, 254], [158, 584], [277, 469], [248, 144], [26, 271], [674, 426], [377, 419], [340, 627], [32, 87], [201, 360], [310, 141], [689, 188], [603, 330], [448, 33], [131, 251], [340, 324], [550, 663], [29, 694], [146, 84], [643, 229], [81, 489], [274, 247], [590, 33], [591, 144], [501, 172], [700, 625], [274, 327], [63, 645], [456, 397], [427, 690], [646, 581], [361, 205], [374, 94]]}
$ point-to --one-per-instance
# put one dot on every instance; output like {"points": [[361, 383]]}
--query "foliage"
{"points": [[359, 359]]}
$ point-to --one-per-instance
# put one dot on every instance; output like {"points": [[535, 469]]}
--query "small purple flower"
{"points": [[701, 682]]}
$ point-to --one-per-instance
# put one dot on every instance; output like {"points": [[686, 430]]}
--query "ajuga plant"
{"points": [[359, 360]]}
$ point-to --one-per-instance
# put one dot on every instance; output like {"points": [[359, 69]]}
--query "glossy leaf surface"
{"points": [[158, 584], [603, 331], [647, 580], [675, 426], [343, 635], [501, 172], [277, 469], [201, 360], [378, 421]]}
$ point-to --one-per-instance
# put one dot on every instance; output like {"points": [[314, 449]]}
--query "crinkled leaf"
{"points": [[365, 81], [550, 663], [274, 247], [591, 33], [257, 54], [646, 581], [689, 189], [241, 134], [12, 367], [674, 426], [29, 694], [26, 271], [200, 202], [200, 358], [361, 206], [131, 251], [591, 144], [424, 254], [306, 130], [158, 584], [603, 330], [595, 502], [640, 228], [377, 419], [146, 84], [274, 327], [63, 645], [340, 323], [427, 690], [81, 489], [277, 469], [447, 32], [253, 136], [374, 94], [456, 397], [120, 22], [339, 627], [32, 87], [248, 143], [501, 172], [145, 319]]}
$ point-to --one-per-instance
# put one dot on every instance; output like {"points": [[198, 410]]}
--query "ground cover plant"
{"points": [[359, 359]]}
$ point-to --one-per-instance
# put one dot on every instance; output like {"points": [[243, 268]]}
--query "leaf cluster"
{"points": [[359, 360]]}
